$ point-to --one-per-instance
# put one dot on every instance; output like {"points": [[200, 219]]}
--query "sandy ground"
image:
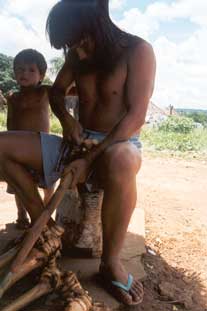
{"points": [[173, 193]]}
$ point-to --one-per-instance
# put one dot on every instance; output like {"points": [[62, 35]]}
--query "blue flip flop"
{"points": [[113, 286], [127, 287]]}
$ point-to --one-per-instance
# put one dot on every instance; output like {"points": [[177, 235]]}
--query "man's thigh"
{"points": [[22, 147]]}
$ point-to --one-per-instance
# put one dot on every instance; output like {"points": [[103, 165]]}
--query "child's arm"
{"points": [[9, 122]]}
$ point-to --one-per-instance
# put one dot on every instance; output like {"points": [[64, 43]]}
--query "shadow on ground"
{"points": [[166, 288]]}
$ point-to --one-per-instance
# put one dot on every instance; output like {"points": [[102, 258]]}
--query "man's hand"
{"points": [[73, 131], [80, 170]]}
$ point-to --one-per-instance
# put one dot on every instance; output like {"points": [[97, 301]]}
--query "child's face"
{"points": [[27, 74]]}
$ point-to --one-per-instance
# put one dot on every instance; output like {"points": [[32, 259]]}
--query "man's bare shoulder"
{"points": [[140, 50]]}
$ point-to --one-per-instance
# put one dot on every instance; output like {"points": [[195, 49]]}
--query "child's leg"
{"points": [[48, 192], [22, 221], [19, 150], [22, 218]]}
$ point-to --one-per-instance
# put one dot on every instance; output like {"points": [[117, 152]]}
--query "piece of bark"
{"points": [[76, 298]]}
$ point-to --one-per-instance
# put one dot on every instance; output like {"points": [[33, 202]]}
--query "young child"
{"points": [[28, 109]]}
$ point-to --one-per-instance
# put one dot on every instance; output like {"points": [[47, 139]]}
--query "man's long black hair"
{"points": [[70, 21]]}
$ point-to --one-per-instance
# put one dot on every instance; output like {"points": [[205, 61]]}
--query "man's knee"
{"points": [[121, 159]]}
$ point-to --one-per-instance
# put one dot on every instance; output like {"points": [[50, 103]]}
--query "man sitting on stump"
{"points": [[114, 74]]}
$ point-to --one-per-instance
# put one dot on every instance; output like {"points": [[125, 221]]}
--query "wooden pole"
{"points": [[8, 256], [37, 228], [35, 260], [35, 293]]}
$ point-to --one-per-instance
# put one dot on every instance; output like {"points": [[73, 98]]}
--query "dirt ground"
{"points": [[173, 193]]}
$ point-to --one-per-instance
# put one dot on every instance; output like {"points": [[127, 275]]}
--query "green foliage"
{"points": [[56, 64], [7, 81], [47, 81], [3, 118], [55, 126], [177, 124], [199, 117], [156, 139]]}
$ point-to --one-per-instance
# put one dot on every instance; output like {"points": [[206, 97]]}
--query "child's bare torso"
{"points": [[29, 110]]}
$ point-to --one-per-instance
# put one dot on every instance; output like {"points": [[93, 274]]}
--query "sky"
{"points": [[177, 30]]}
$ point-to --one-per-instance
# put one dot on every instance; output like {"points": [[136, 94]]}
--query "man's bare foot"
{"points": [[22, 223], [121, 284]]}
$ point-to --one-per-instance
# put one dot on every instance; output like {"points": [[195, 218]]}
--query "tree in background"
{"points": [[56, 65], [7, 81], [199, 117]]}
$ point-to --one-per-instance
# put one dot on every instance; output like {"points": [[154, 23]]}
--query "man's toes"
{"points": [[123, 296], [138, 285], [137, 292], [134, 294]]}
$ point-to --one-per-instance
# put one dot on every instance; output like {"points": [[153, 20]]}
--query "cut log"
{"points": [[82, 222]]}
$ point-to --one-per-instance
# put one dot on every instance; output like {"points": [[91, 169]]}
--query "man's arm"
{"points": [[71, 127], [139, 89]]}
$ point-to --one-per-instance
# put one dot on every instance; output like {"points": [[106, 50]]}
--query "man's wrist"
{"points": [[68, 121]]}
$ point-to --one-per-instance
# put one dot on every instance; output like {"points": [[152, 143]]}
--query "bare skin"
{"points": [[28, 110], [116, 106]]}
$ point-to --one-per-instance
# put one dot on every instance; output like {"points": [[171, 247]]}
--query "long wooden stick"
{"points": [[8, 256], [38, 226], [35, 260], [35, 293]]}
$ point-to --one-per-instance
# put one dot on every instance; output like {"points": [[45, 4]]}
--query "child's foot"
{"points": [[22, 223]]}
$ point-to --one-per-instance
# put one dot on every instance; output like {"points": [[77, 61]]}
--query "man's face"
{"points": [[84, 48], [27, 74]]}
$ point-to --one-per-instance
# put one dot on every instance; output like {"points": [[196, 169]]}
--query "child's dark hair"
{"points": [[30, 56]]}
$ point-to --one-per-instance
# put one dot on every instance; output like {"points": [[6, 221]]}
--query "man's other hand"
{"points": [[80, 170]]}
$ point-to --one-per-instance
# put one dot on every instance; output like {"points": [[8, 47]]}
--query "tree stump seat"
{"points": [[79, 213]]}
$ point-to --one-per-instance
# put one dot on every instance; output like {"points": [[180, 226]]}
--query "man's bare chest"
{"points": [[95, 87]]}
